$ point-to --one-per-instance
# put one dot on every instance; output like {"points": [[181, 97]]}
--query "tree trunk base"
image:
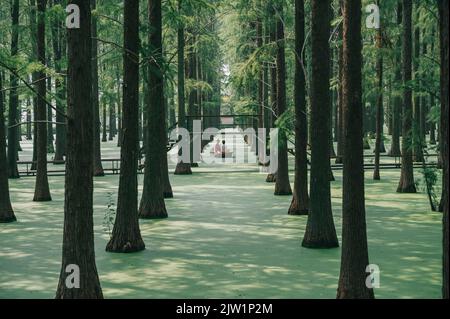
{"points": [[331, 175], [382, 147], [119, 244], [7, 218], [99, 172], [153, 209], [296, 210], [42, 198], [168, 194], [407, 189], [91, 291], [183, 169], [58, 161], [362, 293], [376, 175], [283, 192], [320, 243]]}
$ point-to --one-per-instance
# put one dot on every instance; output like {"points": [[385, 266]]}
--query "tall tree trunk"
{"points": [[397, 103], [78, 236], [104, 132], [424, 100], [406, 184], [282, 184], [119, 111], [444, 40], [13, 131], [379, 116], [181, 168], [300, 200], [42, 190], [355, 256], [416, 135], [50, 138], [260, 98], [167, 187], [152, 202], [332, 151], [34, 77], [29, 135], [58, 51], [340, 139], [432, 124], [6, 210], [320, 231], [111, 120], [271, 178], [126, 235], [98, 168]]}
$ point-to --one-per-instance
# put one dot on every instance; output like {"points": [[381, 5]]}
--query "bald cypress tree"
{"points": [[379, 112], [300, 200], [126, 235], [6, 210], [13, 131], [282, 185], [397, 103], [42, 190], [406, 184], [181, 168], [354, 257], [444, 40], [152, 202], [98, 168], [320, 231], [78, 236]]}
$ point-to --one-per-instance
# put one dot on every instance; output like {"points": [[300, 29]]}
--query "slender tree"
{"points": [[444, 40], [78, 236], [282, 185], [406, 184], [98, 168], [272, 26], [181, 168], [397, 103], [6, 210], [300, 200], [42, 190], [320, 231], [354, 257], [58, 51], [379, 115], [339, 114], [34, 76], [152, 202], [126, 235], [13, 131], [104, 133], [416, 135]]}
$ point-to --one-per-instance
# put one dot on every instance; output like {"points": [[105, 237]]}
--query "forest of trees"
{"points": [[335, 79]]}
